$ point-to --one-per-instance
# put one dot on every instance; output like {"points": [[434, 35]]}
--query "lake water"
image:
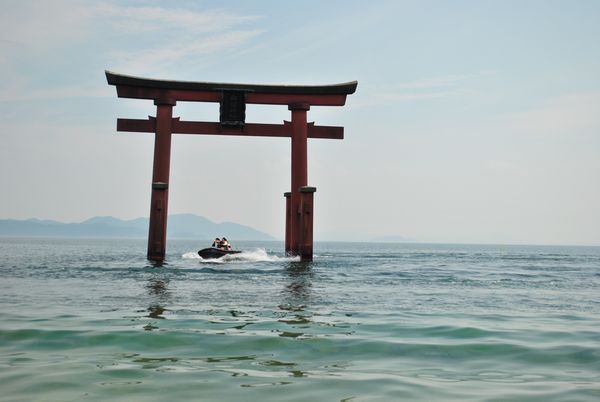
{"points": [[93, 320]]}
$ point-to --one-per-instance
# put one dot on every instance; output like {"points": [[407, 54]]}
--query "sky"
{"points": [[473, 121]]}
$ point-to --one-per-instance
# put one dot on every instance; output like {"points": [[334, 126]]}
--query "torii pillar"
{"points": [[159, 202], [299, 203], [233, 99], [299, 173]]}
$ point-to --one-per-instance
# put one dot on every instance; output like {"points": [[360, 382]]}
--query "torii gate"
{"points": [[233, 99]]}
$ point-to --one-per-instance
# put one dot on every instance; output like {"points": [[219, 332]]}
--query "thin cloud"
{"points": [[135, 40], [164, 39], [428, 88], [443, 81], [43, 25], [148, 19], [162, 57], [569, 115], [412, 96], [13, 94]]}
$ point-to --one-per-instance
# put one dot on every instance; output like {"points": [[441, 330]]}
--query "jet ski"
{"points": [[213, 252]]}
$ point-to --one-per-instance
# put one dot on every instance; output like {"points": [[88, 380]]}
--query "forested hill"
{"points": [[182, 226]]}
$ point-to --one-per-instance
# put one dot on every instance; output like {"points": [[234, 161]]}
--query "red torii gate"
{"points": [[232, 99]]}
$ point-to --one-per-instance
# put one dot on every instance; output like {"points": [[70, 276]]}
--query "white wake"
{"points": [[255, 255]]}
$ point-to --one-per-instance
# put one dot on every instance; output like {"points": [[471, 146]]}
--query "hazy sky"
{"points": [[474, 121]]}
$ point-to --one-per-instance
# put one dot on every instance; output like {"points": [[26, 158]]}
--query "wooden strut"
{"points": [[214, 128], [233, 99]]}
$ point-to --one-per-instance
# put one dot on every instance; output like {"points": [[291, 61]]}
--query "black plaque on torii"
{"points": [[232, 109]]}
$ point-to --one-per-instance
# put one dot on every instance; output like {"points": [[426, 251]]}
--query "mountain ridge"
{"points": [[181, 226]]}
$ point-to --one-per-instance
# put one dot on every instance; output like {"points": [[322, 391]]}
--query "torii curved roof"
{"points": [[346, 88]]}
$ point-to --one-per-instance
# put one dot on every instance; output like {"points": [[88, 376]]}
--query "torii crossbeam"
{"points": [[232, 99]]}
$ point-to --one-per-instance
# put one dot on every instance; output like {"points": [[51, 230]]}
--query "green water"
{"points": [[92, 320]]}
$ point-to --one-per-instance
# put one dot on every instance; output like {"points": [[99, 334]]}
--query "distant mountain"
{"points": [[180, 226]]}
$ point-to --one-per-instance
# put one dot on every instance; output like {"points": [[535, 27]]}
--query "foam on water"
{"points": [[254, 255]]}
